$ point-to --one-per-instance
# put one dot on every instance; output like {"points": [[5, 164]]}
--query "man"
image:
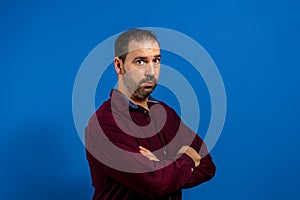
{"points": [[138, 147]]}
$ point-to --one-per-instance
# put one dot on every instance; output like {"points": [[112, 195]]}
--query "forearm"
{"points": [[204, 172], [119, 158], [171, 176]]}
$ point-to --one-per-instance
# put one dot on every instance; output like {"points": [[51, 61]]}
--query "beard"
{"points": [[136, 90]]}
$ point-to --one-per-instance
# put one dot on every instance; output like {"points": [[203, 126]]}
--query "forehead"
{"points": [[143, 48]]}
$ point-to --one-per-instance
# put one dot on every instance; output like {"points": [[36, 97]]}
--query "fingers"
{"points": [[145, 152], [143, 149], [183, 149], [150, 156], [192, 153]]}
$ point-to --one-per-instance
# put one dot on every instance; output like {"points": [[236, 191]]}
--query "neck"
{"points": [[140, 102]]}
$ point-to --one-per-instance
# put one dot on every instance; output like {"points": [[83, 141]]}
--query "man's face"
{"points": [[141, 68]]}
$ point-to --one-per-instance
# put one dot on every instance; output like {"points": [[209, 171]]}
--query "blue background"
{"points": [[255, 45]]}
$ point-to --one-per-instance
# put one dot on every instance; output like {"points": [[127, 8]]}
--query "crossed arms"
{"points": [[184, 167]]}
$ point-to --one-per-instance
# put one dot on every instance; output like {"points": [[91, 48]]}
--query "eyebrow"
{"points": [[145, 58]]}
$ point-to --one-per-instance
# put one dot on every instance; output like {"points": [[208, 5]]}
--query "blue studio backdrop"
{"points": [[255, 45]]}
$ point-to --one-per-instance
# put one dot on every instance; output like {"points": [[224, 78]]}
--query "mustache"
{"points": [[148, 78]]}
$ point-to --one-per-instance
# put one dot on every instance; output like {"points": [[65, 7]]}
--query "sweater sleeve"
{"points": [[116, 154], [206, 170]]}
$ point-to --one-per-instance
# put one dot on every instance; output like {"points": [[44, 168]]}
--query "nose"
{"points": [[150, 69]]}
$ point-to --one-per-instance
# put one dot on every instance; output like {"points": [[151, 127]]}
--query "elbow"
{"points": [[211, 171]]}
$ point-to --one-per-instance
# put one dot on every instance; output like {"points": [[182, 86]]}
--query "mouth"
{"points": [[148, 85]]}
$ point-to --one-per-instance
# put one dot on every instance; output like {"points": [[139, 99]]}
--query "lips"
{"points": [[148, 84]]}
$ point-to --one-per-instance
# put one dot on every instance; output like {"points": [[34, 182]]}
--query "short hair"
{"points": [[122, 42]]}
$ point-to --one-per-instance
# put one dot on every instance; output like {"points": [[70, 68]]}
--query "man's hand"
{"points": [[191, 153], [148, 154]]}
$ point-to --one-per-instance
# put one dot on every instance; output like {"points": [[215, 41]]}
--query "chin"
{"points": [[142, 93]]}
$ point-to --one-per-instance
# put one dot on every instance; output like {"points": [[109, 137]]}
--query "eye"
{"points": [[139, 62], [156, 61]]}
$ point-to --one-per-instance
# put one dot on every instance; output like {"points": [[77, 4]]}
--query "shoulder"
{"points": [[102, 111]]}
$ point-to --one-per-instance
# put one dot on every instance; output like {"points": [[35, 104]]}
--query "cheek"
{"points": [[137, 75], [157, 73]]}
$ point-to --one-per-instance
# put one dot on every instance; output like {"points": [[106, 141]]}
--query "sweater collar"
{"points": [[122, 102]]}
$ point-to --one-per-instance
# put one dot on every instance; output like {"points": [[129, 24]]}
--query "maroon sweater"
{"points": [[113, 136]]}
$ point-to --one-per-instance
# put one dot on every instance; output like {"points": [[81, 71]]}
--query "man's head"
{"points": [[139, 35], [137, 63]]}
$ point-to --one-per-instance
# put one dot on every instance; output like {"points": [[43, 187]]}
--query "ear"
{"points": [[118, 65]]}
